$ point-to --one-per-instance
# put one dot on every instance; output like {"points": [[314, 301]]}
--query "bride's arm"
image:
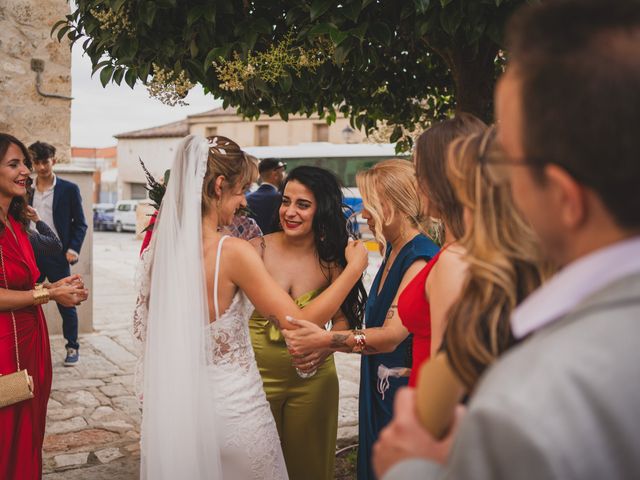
{"points": [[251, 276]]}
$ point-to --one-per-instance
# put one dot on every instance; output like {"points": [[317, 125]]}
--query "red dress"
{"points": [[22, 424], [415, 314]]}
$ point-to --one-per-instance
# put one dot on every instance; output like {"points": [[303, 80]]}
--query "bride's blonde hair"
{"points": [[226, 158]]}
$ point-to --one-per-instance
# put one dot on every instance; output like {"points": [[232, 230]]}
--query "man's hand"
{"points": [[72, 258], [405, 437]]}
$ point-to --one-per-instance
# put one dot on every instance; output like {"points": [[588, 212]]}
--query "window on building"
{"points": [[211, 131], [320, 132], [262, 135]]}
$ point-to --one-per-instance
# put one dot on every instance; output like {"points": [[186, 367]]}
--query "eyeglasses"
{"points": [[490, 153]]}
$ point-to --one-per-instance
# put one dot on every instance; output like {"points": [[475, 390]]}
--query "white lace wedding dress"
{"points": [[247, 434], [249, 443], [205, 414]]}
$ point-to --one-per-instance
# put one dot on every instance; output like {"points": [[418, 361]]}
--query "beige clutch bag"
{"points": [[15, 387], [18, 386]]}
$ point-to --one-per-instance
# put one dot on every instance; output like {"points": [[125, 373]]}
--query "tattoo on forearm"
{"points": [[273, 319], [339, 340], [392, 311]]}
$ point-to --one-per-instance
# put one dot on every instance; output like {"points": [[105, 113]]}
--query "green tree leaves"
{"points": [[393, 61]]}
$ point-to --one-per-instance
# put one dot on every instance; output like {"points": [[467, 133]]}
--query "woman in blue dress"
{"points": [[394, 213]]}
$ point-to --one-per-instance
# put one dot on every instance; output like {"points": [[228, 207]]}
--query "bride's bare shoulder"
{"points": [[239, 249]]}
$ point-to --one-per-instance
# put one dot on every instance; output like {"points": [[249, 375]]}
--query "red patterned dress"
{"points": [[22, 424]]}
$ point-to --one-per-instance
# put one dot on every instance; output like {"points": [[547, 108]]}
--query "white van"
{"points": [[124, 216]]}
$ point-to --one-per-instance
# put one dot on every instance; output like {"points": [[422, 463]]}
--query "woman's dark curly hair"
{"points": [[330, 231], [18, 206]]}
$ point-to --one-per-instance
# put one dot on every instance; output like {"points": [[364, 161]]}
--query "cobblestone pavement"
{"points": [[93, 420]]}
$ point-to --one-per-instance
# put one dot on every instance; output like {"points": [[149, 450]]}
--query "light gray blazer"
{"points": [[564, 404]]}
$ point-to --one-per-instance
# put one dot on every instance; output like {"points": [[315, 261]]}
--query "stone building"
{"points": [[156, 146], [35, 74], [35, 104]]}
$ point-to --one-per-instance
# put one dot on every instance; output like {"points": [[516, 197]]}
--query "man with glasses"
{"points": [[564, 402]]}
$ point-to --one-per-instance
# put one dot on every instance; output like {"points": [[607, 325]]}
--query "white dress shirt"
{"points": [[43, 203], [574, 283]]}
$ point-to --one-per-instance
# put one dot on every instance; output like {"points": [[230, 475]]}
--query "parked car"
{"points": [[125, 215], [103, 216]]}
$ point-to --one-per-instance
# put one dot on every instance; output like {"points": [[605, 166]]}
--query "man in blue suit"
{"points": [[59, 205], [264, 202]]}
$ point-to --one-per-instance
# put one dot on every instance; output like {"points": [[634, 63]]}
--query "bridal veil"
{"points": [[179, 431]]}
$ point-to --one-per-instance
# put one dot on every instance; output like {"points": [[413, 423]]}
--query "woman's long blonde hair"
{"points": [[390, 188], [503, 257]]}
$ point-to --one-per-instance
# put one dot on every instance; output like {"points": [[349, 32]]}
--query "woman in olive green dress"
{"points": [[304, 256]]}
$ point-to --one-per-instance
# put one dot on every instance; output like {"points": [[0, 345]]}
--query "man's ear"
{"points": [[53, 161], [569, 196]]}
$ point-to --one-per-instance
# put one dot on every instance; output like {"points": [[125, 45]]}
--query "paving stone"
{"points": [[133, 448], [110, 349], [114, 390], [129, 403], [69, 441], [108, 454], [348, 434], [127, 380], [128, 341], [57, 414], [133, 435], [77, 383], [64, 426], [83, 398], [126, 468], [102, 412], [349, 388], [348, 412], [53, 404], [117, 426], [68, 460]]}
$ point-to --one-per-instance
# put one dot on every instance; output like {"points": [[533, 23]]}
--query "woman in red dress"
{"points": [[22, 424], [425, 301]]}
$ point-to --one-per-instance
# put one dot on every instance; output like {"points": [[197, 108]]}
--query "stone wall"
{"points": [[25, 27]]}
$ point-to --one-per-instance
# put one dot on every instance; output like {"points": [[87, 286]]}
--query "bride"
{"points": [[205, 413]]}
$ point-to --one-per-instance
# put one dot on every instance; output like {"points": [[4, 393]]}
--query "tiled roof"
{"points": [[174, 129], [216, 112]]}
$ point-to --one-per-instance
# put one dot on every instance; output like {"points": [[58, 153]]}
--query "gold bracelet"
{"points": [[40, 295]]}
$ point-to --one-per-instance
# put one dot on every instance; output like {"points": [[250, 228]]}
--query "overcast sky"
{"points": [[99, 113]]}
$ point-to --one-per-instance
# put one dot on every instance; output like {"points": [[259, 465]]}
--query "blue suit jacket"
{"points": [[264, 203], [68, 217]]}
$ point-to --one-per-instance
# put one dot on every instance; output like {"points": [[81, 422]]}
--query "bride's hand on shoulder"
{"points": [[305, 338], [357, 255]]}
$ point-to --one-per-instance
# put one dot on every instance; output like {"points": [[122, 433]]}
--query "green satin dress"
{"points": [[305, 410]]}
